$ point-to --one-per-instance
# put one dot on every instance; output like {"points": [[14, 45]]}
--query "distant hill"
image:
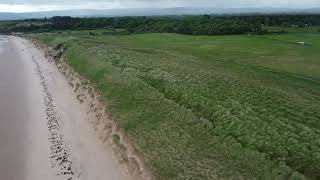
{"points": [[312, 11], [154, 12]]}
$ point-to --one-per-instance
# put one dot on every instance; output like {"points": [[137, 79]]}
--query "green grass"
{"points": [[312, 29], [209, 107]]}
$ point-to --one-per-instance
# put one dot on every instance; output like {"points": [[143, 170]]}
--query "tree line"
{"points": [[195, 25]]}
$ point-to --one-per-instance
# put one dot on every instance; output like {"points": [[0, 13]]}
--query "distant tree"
{"points": [[61, 22], [197, 25]]}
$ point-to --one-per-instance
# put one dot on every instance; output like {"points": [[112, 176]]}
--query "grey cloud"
{"points": [[113, 4]]}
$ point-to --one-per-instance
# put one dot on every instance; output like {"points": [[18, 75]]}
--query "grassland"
{"points": [[209, 107]]}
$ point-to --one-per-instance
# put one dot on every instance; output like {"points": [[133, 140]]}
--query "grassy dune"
{"points": [[200, 107]]}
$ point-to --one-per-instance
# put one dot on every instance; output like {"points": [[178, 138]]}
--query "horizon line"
{"points": [[196, 7]]}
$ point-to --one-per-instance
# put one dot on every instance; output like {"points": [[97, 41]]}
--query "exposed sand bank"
{"points": [[59, 141]]}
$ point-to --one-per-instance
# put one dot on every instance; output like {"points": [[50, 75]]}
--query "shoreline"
{"points": [[106, 128]]}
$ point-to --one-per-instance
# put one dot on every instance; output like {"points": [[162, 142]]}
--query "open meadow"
{"points": [[209, 107]]}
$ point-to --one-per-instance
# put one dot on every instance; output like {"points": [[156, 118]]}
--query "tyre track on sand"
{"points": [[60, 157]]}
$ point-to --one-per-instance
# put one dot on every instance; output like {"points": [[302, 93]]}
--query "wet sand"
{"points": [[13, 113]]}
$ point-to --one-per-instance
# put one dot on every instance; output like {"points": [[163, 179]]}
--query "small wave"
{"points": [[3, 39]]}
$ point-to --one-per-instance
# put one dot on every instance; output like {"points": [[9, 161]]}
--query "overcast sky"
{"points": [[47, 5]]}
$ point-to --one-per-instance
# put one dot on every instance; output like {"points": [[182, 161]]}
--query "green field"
{"points": [[209, 107]]}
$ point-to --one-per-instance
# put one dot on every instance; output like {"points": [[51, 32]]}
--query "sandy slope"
{"points": [[59, 141]]}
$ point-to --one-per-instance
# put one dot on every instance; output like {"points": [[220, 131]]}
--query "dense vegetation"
{"points": [[200, 107], [32, 25], [195, 25]]}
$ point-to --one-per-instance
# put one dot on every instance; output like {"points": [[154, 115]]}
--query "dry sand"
{"points": [[45, 129]]}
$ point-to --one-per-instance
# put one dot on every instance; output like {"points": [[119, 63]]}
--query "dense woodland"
{"points": [[195, 25]]}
